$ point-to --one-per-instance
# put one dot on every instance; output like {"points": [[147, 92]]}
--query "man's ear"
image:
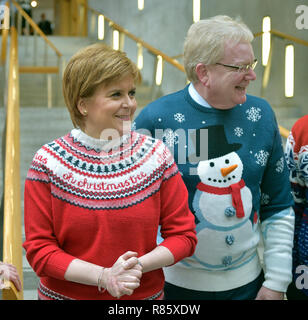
{"points": [[202, 73]]}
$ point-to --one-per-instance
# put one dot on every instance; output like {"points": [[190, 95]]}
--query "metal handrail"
{"points": [[144, 44], [38, 69], [12, 226], [36, 28], [5, 33], [48, 70], [283, 131], [284, 36], [172, 60], [273, 32]]}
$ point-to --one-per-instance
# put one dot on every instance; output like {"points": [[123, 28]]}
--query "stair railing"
{"points": [[267, 70], [159, 57], [34, 69], [3, 57], [5, 32], [283, 36], [12, 224], [173, 60], [138, 40]]}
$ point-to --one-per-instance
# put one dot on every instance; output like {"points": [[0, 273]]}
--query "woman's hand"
{"points": [[9, 272], [124, 276]]}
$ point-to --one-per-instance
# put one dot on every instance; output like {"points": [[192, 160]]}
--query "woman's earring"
{"points": [[85, 112]]}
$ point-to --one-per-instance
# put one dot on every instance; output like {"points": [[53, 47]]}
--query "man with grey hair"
{"points": [[238, 187]]}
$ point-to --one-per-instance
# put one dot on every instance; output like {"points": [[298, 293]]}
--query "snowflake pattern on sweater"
{"points": [[85, 181], [246, 142]]}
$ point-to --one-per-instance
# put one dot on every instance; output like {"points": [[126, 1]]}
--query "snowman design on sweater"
{"points": [[223, 206]]}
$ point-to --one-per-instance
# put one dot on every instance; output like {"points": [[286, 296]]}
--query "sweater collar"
{"points": [[98, 144], [197, 97]]}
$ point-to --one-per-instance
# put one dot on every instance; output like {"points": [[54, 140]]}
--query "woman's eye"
{"points": [[116, 94], [132, 93]]}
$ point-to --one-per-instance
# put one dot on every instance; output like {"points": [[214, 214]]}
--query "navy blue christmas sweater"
{"points": [[233, 165]]}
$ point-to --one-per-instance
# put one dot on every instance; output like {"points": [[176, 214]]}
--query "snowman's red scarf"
{"points": [[233, 189]]}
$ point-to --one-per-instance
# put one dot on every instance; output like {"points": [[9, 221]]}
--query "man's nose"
{"points": [[251, 75]]}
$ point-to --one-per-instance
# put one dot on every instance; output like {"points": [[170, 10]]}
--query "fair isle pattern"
{"points": [[297, 161], [45, 293], [94, 178]]}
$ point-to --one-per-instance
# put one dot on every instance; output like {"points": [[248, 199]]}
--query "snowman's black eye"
{"points": [[212, 164], [227, 161]]}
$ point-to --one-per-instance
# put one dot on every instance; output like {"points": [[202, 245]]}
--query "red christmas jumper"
{"points": [[84, 200]]}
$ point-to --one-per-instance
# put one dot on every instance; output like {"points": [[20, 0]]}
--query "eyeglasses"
{"points": [[241, 69]]}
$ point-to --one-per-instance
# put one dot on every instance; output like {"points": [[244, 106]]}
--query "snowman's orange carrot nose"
{"points": [[226, 171]]}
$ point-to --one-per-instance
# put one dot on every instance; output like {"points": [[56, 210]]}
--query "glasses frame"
{"points": [[241, 69]]}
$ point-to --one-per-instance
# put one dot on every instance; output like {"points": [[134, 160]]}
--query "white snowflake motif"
{"points": [[238, 131], [280, 165], [253, 114], [179, 117], [170, 138], [265, 198], [262, 157]]}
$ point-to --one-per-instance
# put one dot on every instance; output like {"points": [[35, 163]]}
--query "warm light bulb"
{"points": [[34, 4]]}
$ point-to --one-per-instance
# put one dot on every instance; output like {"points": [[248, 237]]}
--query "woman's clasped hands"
{"points": [[123, 277]]}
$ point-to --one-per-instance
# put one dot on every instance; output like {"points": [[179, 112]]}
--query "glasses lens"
{"points": [[246, 68], [254, 64]]}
